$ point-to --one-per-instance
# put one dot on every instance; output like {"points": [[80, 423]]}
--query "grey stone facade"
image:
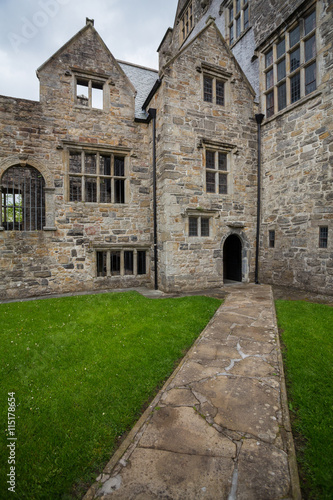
{"points": [[97, 159]]}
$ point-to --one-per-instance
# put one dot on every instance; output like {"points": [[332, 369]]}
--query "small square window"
{"points": [[323, 237], [89, 93]]}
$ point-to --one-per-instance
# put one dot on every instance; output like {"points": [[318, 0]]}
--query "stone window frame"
{"points": [[119, 253], [99, 151], [198, 229], [186, 21], [49, 188], [227, 149], [199, 214], [280, 91], [218, 175], [323, 236], [216, 75], [237, 19], [91, 81]]}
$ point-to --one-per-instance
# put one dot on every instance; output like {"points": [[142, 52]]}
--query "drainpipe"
{"points": [[152, 116], [259, 119]]}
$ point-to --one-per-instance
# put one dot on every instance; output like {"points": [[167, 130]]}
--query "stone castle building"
{"points": [[123, 176]]}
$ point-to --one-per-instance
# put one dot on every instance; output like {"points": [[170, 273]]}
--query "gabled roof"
{"points": [[143, 80], [89, 26], [139, 78], [211, 22]]}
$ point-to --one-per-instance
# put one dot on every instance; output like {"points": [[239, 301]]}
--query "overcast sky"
{"points": [[32, 30]]}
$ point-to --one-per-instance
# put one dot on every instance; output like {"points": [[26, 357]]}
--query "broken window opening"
{"points": [[23, 199], [122, 262], [96, 177], [89, 93]]}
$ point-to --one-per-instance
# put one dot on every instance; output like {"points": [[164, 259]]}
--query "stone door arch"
{"points": [[232, 258]]}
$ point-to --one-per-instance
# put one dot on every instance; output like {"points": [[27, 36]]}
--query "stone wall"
{"points": [[297, 180], [187, 126], [64, 259]]}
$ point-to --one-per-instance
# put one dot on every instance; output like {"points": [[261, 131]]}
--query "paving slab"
{"points": [[219, 428]]}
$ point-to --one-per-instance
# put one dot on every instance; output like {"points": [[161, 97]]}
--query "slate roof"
{"points": [[143, 79]]}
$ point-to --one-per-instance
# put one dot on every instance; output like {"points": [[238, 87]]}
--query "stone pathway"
{"points": [[219, 428]]}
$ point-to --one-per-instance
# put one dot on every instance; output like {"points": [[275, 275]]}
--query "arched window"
{"points": [[22, 199]]}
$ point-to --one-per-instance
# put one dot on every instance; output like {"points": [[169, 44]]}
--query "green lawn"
{"points": [[307, 334], [82, 369]]}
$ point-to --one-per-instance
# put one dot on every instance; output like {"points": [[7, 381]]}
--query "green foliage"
{"points": [[82, 368], [307, 333]]}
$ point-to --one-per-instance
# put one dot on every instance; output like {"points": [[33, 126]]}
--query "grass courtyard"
{"points": [[80, 370], [307, 335]]}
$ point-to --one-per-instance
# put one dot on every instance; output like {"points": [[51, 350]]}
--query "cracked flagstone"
{"points": [[219, 428]]}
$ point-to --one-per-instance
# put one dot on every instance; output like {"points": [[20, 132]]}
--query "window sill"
{"points": [[292, 106], [88, 108], [46, 228], [119, 276], [96, 204]]}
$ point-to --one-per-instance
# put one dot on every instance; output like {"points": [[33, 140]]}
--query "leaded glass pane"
{"points": [[310, 79], [208, 89], [193, 226], [204, 226], [270, 104], [269, 58], [310, 23], [294, 36], [281, 70], [295, 88], [282, 96], [220, 93], [280, 48], [269, 79], [294, 60], [310, 48]]}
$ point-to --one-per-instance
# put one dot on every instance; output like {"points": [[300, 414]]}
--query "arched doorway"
{"points": [[232, 258]]}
